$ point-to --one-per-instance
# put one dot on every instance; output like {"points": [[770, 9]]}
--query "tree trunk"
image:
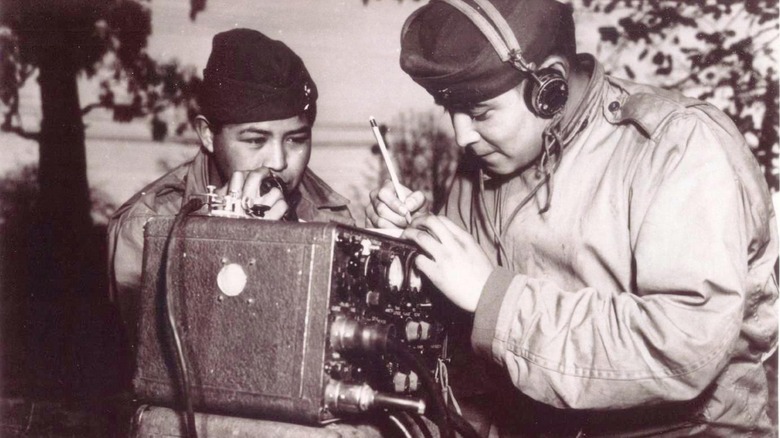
{"points": [[64, 191], [62, 227]]}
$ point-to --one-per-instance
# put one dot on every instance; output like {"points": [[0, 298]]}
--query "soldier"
{"points": [[258, 104], [615, 242]]}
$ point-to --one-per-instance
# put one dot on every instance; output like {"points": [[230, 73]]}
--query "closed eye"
{"points": [[298, 139], [479, 115], [259, 141]]}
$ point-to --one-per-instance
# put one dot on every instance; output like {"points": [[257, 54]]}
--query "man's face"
{"points": [[502, 132], [282, 146]]}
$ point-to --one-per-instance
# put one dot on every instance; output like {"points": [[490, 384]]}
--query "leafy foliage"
{"points": [[104, 40], [721, 51]]}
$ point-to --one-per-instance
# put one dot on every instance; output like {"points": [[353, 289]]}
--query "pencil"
{"points": [[389, 163]]}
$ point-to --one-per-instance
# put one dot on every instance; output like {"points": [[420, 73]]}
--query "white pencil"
{"points": [[389, 163]]}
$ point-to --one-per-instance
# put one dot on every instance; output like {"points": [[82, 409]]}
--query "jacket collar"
{"points": [[588, 104]]}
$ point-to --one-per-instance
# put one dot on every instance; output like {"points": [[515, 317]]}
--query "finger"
{"points": [[415, 202], [386, 224], [434, 226], [388, 196], [425, 241], [384, 212], [426, 265], [403, 192], [373, 219], [371, 216], [272, 197], [372, 195], [269, 200], [278, 209], [254, 178], [236, 184]]}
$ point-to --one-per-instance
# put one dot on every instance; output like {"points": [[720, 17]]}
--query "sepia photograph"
{"points": [[389, 218]]}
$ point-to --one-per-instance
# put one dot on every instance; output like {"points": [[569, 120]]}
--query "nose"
{"points": [[277, 160], [465, 134]]}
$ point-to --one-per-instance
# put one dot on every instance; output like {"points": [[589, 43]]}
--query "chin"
{"points": [[504, 169], [498, 170]]}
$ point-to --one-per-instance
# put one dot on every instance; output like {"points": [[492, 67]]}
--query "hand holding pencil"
{"points": [[392, 205]]}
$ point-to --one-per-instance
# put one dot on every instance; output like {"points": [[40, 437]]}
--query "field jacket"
{"points": [[316, 202], [642, 301]]}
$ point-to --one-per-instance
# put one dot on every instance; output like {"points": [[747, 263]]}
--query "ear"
{"points": [[558, 63], [205, 133]]}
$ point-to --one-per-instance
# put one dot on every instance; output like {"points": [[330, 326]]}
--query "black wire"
{"points": [[193, 205], [420, 424], [462, 426], [441, 417]]}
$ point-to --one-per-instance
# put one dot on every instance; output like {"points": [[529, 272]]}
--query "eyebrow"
{"points": [[303, 130], [465, 107]]}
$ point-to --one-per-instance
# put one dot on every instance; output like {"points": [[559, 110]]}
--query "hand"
{"points": [[246, 186], [456, 264], [387, 211]]}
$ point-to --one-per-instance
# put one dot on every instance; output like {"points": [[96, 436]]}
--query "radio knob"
{"points": [[415, 280], [414, 381], [413, 331], [373, 298], [403, 382], [425, 331], [395, 273], [400, 381]]}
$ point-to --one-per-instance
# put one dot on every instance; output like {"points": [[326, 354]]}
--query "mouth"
{"points": [[481, 154], [484, 155]]}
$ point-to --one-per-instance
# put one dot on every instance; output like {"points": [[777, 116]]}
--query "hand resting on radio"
{"points": [[386, 210], [453, 260], [245, 184]]}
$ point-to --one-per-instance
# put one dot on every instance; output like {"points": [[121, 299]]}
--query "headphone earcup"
{"points": [[549, 93]]}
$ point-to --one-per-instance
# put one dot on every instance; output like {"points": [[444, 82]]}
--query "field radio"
{"points": [[286, 321]]}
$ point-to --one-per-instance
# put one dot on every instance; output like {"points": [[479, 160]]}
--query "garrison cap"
{"points": [[444, 52], [252, 78]]}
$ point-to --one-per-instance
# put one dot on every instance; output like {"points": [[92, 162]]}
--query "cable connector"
{"points": [[350, 398], [348, 334]]}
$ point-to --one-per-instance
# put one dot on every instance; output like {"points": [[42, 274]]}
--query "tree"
{"points": [[716, 50], [57, 42]]}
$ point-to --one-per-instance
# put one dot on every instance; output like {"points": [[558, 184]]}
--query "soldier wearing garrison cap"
{"points": [[615, 242], [258, 104]]}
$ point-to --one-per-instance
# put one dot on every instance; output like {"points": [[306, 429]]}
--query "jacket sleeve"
{"points": [[125, 259], [669, 336]]}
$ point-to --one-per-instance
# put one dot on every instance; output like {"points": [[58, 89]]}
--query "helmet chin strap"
{"points": [[548, 162], [497, 32], [551, 157]]}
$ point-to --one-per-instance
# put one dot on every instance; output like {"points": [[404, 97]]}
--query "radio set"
{"points": [[299, 322]]}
